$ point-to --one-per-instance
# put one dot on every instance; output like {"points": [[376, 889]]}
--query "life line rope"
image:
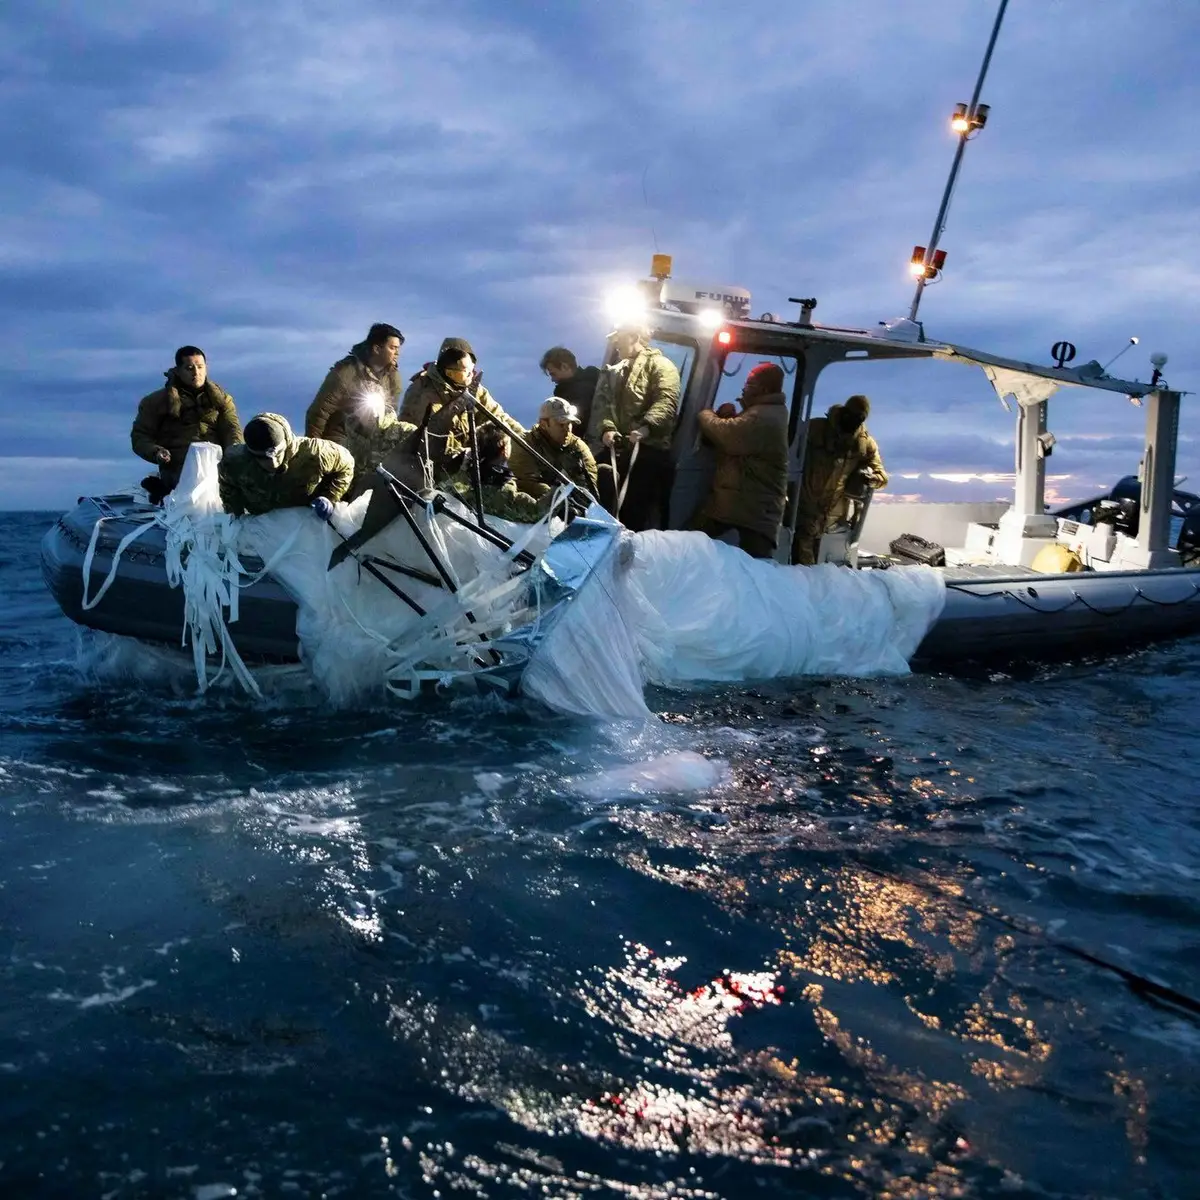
{"points": [[618, 486]]}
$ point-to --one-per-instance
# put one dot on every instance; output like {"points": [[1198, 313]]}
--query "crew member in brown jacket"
{"points": [[437, 401], [551, 450], [750, 482], [190, 408], [368, 374], [837, 448]]}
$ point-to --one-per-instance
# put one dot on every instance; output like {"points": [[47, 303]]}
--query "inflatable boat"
{"points": [[140, 601], [991, 610]]}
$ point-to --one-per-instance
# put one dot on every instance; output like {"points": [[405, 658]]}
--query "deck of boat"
{"points": [[969, 572]]}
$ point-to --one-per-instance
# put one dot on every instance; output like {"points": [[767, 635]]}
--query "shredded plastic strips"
{"points": [[202, 558]]}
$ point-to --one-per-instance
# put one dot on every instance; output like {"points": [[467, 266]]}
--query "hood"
{"points": [[835, 429], [289, 438], [459, 344]]}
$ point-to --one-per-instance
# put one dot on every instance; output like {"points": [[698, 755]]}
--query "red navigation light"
{"points": [[724, 338]]}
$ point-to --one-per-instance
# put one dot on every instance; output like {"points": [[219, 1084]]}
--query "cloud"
{"points": [[45, 483], [267, 180]]}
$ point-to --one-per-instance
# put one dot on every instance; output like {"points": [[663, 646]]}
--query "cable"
{"points": [[646, 200], [965, 589]]}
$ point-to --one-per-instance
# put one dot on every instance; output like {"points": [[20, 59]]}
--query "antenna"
{"points": [[1132, 342], [649, 210], [967, 120]]}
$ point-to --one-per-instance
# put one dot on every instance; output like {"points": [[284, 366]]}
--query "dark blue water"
{"points": [[421, 952]]}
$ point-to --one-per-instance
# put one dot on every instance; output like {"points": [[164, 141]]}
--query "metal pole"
{"points": [[939, 224], [368, 564], [400, 491], [395, 484], [476, 477]]}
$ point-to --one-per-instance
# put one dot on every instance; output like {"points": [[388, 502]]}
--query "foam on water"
{"points": [[673, 773]]}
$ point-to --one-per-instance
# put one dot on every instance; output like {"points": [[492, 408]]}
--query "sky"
{"points": [[267, 180]]}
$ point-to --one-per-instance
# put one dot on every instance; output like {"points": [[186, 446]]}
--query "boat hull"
{"points": [[141, 603], [1013, 616]]}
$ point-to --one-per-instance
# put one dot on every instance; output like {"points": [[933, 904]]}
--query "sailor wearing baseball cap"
{"points": [[561, 449]]}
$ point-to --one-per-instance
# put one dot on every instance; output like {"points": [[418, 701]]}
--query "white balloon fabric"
{"points": [[677, 608]]}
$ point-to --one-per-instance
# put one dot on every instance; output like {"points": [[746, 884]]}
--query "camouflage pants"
{"points": [[806, 539]]}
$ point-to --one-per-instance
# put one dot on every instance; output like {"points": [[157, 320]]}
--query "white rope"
{"points": [[200, 556], [619, 487], [146, 521]]}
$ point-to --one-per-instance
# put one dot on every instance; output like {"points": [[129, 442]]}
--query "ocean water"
{"points": [[805, 939]]}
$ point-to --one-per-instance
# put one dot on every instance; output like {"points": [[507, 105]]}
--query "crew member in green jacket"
{"points": [[838, 447], [190, 408], [501, 494], [275, 469], [559, 450], [436, 403], [368, 373], [750, 482], [636, 404]]}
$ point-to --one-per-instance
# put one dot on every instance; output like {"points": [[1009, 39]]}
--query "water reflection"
{"points": [[857, 1040]]}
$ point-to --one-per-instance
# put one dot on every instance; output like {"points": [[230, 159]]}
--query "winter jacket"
{"points": [[580, 390], [350, 379], [370, 441], [311, 467], [504, 500], [440, 406], [830, 458], [637, 392], [750, 483], [172, 419], [573, 459]]}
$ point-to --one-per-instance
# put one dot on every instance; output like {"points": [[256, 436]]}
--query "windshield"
{"points": [[682, 354], [737, 366]]}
